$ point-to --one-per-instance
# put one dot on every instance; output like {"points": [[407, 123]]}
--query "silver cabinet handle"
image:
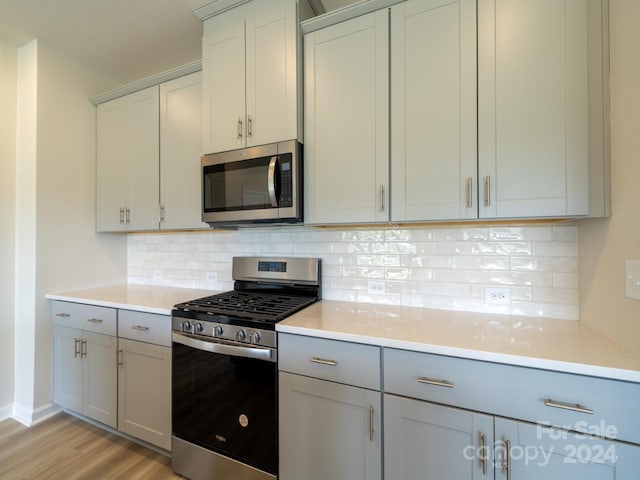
{"points": [[371, 423], [76, 348], [162, 213], [469, 192], [574, 407], [120, 357], [506, 464], [249, 126], [127, 215], [487, 191], [382, 198], [83, 348], [239, 127], [323, 361], [122, 216], [140, 328], [483, 453], [433, 381], [94, 320], [63, 315]]}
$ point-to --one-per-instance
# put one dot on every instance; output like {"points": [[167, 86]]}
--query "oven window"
{"points": [[241, 185], [226, 404]]}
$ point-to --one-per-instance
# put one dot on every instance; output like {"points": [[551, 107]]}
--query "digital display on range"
{"points": [[272, 266]]}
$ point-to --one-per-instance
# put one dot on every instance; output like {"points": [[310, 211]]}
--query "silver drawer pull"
{"points": [[63, 315], [140, 328], [574, 407], [323, 361], [437, 383], [94, 320]]}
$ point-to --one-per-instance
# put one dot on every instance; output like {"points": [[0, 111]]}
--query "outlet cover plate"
{"points": [[376, 287], [632, 279], [497, 296]]}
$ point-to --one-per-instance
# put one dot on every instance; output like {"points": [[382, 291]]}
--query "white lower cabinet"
{"points": [[85, 378], [144, 392]]}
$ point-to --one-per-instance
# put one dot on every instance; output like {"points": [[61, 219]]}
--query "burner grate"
{"points": [[250, 305]]}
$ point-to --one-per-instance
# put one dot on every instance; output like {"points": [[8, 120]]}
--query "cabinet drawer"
{"points": [[575, 402], [145, 327], [343, 362], [85, 317]]}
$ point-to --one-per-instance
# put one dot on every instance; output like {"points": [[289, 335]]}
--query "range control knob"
{"points": [[241, 335], [197, 327], [255, 338], [218, 331], [186, 326]]}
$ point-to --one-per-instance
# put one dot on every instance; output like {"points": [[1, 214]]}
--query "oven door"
{"points": [[225, 399]]}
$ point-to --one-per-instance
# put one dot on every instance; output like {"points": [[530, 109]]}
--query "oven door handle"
{"points": [[267, 354]]}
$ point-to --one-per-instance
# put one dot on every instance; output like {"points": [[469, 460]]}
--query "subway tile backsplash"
{"points": [[436, 267]]}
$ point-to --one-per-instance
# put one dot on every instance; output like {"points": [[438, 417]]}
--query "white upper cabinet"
{"points": [[250, 76], [127, 162], [346, 118], [433, 110], [180, 140], [533, 105]]}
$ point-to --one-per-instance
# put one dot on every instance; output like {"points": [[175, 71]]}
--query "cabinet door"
{"points": [[143, 174], [144, 392], [533, 107], [425, 441], [223, 74], [347, 121], [536, 452], [100, 378], [67, 368], [328, 430], [111, 194], [180, 151], [271, 74], [433, 110]]}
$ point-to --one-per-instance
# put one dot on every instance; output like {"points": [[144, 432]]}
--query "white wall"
{"points": [[58, 248], [606, 244], [437, 267], [8, 60]]}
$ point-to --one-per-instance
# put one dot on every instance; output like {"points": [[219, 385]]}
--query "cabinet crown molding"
{"points": [[216, 7]]}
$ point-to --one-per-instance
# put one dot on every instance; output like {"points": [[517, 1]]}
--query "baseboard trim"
{"points": [[29, 417]]}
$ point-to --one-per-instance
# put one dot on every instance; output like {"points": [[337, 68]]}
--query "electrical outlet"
{"points": [[497, 296], [158, 274], [212, 277], [376, 288]]}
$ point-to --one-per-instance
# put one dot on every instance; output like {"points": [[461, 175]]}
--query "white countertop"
{"points": [[560, 345], [143, 298]]}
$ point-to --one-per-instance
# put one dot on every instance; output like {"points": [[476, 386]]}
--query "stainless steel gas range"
{"points": [[224, 370]]}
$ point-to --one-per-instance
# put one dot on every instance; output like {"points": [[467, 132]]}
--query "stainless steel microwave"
{"points": [[253, 185]]}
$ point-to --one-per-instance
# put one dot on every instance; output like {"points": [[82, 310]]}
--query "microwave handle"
{"points": [[271, 181]]}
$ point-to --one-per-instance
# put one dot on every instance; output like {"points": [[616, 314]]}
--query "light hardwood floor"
{"points": [[65, 447]]}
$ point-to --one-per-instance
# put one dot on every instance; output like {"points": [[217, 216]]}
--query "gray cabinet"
{"points": [[425, 441], [549, 408], [84, 370], [330, 425], [144, 376]]}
